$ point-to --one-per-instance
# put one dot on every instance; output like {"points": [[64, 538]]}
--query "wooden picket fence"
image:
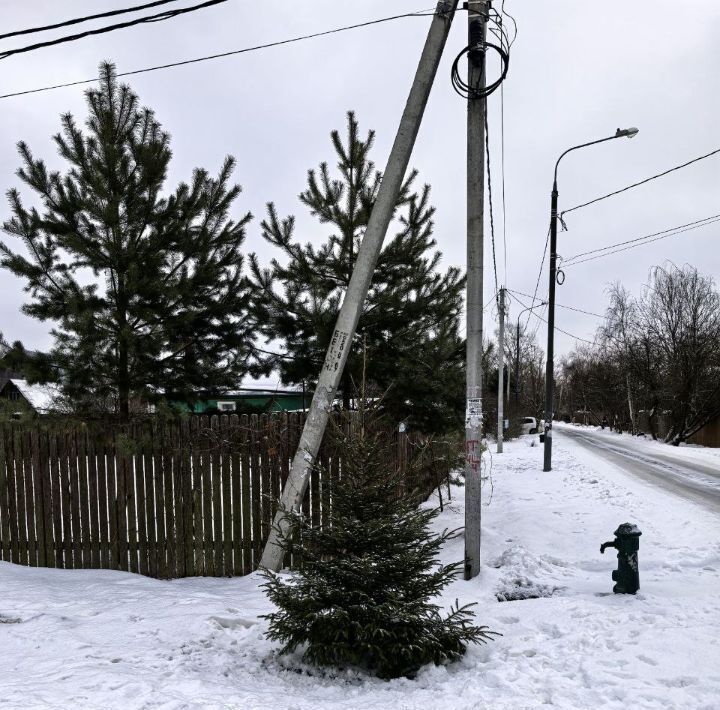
{"points": [[194, 497]]}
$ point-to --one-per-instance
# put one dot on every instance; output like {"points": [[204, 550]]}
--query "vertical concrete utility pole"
{"points": [[501, 372], [478, 11], [351, 309]]}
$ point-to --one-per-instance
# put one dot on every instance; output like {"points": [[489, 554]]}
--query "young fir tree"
{"points": [[146, 288], [363, 594], [411, 315]]}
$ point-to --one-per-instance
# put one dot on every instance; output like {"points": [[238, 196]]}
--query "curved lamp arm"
{"points": [[620, 133]]}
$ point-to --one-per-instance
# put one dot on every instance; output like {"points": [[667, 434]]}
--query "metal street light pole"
{"points": [[549, 370]]}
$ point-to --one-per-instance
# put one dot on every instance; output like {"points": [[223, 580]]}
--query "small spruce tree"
{"points": [[363, 593]]}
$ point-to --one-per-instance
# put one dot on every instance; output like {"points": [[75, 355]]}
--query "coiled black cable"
{"points": [[476, 92]]}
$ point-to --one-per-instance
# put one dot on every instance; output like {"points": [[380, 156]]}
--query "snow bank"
{"points": [[99, 639]]}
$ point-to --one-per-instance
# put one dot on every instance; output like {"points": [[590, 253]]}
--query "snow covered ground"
{"points": [[98, 639]]}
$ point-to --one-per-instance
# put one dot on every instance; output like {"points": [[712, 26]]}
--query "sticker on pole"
{"points": [[473, 407], [334, 356]]}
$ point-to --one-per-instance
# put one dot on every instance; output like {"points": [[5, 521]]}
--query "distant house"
{"points": [[6, 375], [40, 398], [248, 400]]}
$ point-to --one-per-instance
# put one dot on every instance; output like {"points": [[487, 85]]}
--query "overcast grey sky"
{"points": [[579, 70]]}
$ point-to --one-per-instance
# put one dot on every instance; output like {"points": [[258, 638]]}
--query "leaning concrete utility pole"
{"points": [[501, 372], [341, 341], [478, 11]]}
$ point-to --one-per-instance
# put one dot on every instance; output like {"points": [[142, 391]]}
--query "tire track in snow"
{"points": [[695, 481]]}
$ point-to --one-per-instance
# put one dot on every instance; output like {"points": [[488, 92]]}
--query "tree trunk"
{"points": [[652, 423], [630, 406]]}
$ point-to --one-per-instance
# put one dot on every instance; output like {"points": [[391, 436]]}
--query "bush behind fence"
{"points": [[188, 498]]}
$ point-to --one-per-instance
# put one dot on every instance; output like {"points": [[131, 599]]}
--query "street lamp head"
{"points": [[626, 132]]}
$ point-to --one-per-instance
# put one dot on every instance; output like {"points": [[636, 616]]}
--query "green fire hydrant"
{"points": [[627, 543]]}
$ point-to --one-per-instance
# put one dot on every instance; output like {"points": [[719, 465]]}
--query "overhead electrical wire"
{"points": [[503, 11], [87, 18], [542, 263], [502, 135], [540, 322], [638, 241], [490, 201], [159, 17], [537, 315], [502, 172], [559, 305], [170, 65], [642, 182]]}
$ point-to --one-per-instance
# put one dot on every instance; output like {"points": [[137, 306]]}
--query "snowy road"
{"points": [[676, 470]]}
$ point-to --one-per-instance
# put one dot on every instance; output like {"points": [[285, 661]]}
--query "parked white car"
{"points": [[529, 425]]}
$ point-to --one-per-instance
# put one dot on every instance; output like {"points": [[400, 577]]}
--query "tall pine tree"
{"points": [[410, 318], [146, 288]]}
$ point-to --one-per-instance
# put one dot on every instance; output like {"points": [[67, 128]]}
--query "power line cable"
{"points": [[508, 45], [87, 18], [166, 15], [502, 167], [503, 11], [537, 315], [421, 13], [642, 182], [617, 251], [492, 299], [559, 305], [539, 323], [639, 241], [490, 201], [542, 263]]}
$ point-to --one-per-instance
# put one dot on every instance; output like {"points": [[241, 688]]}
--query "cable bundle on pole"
{"points": [[461, 86], [470, 92]]}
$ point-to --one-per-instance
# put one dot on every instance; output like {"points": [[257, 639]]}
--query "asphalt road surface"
{"points": [[693, 480]]}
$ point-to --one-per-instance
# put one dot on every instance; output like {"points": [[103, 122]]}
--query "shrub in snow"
{"points": [[363, 593]]}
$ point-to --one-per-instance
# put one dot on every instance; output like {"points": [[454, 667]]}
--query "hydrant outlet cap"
{"points": [[627, 529]]}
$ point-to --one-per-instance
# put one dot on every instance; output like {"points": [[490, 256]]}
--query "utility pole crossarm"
{"points": [[382, 212]]}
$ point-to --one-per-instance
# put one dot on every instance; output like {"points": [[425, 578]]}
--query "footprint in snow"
{"points": [[233, 623]]}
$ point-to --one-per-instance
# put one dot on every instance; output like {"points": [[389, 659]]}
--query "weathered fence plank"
{"points": [[94, 503], [198, 535], [217, 490], [149, 511], [227, 501], [163, 484], [104, 497], [246, 495], [255, 492], [47, 497], [13, 517], [185, 511], [5, 547], [84, 497], [24, 525], [236, 504], [121, 501], [131, 498]]}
